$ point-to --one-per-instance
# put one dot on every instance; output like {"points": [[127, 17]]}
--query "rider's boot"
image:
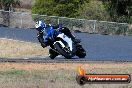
{"points": [[74, 38]]}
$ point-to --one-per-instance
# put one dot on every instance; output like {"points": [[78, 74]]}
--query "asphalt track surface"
{"points": [[98, 47]]}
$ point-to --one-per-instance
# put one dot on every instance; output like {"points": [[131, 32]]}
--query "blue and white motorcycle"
{"points": [[64, 46]]}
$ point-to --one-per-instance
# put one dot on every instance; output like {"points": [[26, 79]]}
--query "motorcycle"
{"points": [[63, 45]]}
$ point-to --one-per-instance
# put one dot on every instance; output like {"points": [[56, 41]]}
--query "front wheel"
{"points": [[52, 54], [63, 52]]}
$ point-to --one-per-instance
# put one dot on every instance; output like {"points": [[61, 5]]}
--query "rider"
{"points": [[48, 32]]}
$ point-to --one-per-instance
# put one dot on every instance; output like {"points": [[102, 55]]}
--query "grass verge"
{"points": [[14, 48], [57, 75]]}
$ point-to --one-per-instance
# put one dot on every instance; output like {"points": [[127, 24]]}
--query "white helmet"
{"points": [[40, 25]]}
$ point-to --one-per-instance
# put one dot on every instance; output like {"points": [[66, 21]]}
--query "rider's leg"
{"points": [[67, 32]]}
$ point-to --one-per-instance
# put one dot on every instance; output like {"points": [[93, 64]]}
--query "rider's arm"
{"points": [[46, 40], [56, 26], [47, 37]]}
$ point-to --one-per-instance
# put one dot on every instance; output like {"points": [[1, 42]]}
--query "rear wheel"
{"points": [[64, 52], [81, 53]]}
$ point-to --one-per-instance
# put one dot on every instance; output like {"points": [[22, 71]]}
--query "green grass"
{"points": [[53, 79], [38, 75], [13, 72]]}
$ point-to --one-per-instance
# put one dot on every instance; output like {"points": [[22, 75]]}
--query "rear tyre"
{"points": [[81, 53], [63, 52]]}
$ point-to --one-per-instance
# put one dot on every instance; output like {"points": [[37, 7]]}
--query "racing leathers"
{"points": [[48, 35]]}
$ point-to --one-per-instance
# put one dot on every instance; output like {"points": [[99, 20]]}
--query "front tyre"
{"points": [[52, 54], [62, 51]]}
